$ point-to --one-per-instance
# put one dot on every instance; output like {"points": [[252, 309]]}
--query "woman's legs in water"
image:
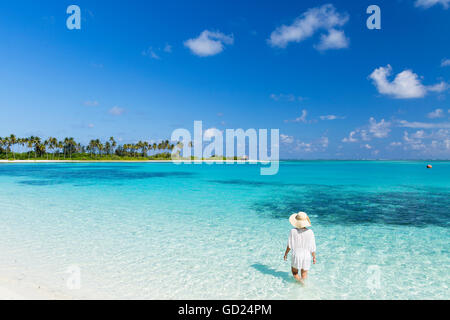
{"points": [[304, 274], [295, 274]]}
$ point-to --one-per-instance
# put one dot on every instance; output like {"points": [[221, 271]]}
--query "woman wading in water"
{"points": [[303, 246]]}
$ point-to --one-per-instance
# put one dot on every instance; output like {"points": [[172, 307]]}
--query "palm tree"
{"points": [[72, 145], [12, 142], [108, 148], [46, 144], [23, 142], [143, 146], [100, 147], [60, 146], [69, 145], [113, 143], [37, 146], [3, 145], [129, 149], [30, 142], [91, 147], [65, 142], [53, 145], [147, 147], [50, 145], [7, 144]]}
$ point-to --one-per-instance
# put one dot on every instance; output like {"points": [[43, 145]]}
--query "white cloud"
{"points": [[331, 117], [167, 48], [285, 97], [367, 146], [306, 25], [438, 113], [445, 62], [319, 145], [302, 118], [412, 143], [303, 146], [431, 143], [395, 144], [405, 85], [151, 53], [324, 141], [93, 103], [420, 134], [155, 53], [439, 87], [380, 129], [286, 139], [373, 130], [335, 39], [209, 43], [429, 3], [364, 135], [423, 125], [116, 111], [90, 126], [351, 137]]}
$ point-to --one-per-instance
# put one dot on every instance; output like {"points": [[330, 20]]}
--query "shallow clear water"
{"points": [[166, 231]]}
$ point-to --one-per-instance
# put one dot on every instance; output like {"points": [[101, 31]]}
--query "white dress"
{"points": [[302, 243]]}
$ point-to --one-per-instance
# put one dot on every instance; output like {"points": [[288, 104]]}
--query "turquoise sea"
{"points": [[167, 231]]}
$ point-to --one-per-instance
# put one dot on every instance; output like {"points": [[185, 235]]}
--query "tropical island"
{"points": [[68, 149], [36, 148]]}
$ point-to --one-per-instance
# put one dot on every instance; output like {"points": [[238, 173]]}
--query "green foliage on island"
{"points": [[68, 149]]}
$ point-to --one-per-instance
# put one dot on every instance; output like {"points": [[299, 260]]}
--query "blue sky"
{"points": [[138, 70]]}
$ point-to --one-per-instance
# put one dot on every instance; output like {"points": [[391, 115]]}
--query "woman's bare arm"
{"points": [[286, 253], [314, 257]]}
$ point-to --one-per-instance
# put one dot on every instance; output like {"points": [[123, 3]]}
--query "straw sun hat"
{"points": [[300, 220]]}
